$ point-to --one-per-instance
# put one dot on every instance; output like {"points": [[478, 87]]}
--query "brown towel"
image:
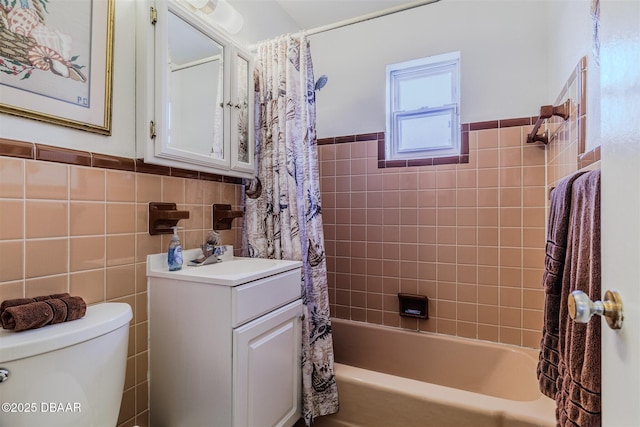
{"points": [[579, 375], [21, 301], [41, 313], [557, 234], [27, 316]]}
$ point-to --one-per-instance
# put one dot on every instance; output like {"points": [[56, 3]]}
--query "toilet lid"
{"points": [[99, 319]]}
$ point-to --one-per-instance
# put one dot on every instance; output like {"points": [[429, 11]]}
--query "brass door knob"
{"points": [[581, 308]]}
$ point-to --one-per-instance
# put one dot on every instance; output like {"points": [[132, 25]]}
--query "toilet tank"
{"points": [[69, 374]]}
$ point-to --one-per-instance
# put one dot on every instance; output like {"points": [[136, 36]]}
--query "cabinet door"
{"points": [[242, 141], [267, 369]]}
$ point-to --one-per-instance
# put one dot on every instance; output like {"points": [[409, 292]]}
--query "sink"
{"points": [[232, 271]]}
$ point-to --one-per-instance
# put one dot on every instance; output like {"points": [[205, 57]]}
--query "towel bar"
{"points": [[546, 112]]}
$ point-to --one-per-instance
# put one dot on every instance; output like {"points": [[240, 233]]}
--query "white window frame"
{"points": [[432, 65]]}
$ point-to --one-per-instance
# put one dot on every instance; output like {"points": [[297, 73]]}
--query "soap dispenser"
{"points": [[174, 254]]}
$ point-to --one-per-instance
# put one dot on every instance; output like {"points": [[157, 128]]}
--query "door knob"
{"points": [[581, 308]]}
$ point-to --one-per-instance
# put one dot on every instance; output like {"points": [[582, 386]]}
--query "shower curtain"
{"points": [[283, 217]]}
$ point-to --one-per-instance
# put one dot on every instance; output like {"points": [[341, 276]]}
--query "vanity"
{"points": [[224, 342]]}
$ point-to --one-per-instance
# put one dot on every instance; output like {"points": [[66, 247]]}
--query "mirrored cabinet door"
{"points": [[194, 98], [242, 156], [195, 79]]}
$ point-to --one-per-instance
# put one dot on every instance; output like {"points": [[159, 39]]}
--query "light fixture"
{"points": [[218, 12]]}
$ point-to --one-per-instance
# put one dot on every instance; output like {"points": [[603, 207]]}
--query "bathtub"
{"points": [[389, 377]]}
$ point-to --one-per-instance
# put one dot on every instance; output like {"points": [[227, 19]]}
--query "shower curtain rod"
{"points": [[362, 18], [369, 16]]}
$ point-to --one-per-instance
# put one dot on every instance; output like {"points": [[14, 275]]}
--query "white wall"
{"points": [[122, 140], [504, 61], [516, 55], [571, 38]]}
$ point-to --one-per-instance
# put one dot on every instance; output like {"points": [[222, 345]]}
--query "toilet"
{"points": [[69, 374]]}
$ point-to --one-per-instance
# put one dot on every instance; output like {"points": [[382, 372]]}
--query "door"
{"points": [[267, 369], [620, 136]]}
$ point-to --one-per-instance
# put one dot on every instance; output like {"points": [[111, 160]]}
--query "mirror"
{"points": [[195, 118], [242, 69], [194, 100]]}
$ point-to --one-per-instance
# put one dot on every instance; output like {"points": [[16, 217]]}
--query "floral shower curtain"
{"points": [[283, 216]]}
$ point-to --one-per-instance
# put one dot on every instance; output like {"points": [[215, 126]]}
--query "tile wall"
{"points": [[83, 230], [469, 236]]}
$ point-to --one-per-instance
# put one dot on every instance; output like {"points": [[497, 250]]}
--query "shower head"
{"points": [[321, 82]]}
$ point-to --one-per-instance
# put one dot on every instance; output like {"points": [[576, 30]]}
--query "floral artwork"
{"points": [[56, 51], [33, 48]]}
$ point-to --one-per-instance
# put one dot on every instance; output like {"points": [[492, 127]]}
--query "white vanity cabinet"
{"points": [[225, 343], [194, 108]]}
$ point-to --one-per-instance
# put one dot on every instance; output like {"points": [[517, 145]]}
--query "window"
{"points": [[423, 108]]}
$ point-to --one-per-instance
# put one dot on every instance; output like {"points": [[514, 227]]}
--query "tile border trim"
{"points": [[42, 152], [464, 149]]}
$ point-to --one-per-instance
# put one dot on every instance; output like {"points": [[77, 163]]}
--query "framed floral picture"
{"points": [[56, 59]]}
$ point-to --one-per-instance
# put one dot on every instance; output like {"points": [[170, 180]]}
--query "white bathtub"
{"points": [[389, 377]]}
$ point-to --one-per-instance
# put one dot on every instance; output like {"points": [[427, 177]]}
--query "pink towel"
{"points": [[579, 374]]}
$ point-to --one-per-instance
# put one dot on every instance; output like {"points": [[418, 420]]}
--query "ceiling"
{"points": [[310, 14], [264, 19]]}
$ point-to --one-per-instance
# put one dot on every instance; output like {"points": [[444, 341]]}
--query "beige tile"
{"points": [[446, 217], [511, 156], [11, 290], [148, 188], [173, 190], [121, 186], [510, 297], [146, 245], [446, 179], [88, 284], [87, 183], [120, 281], [467, 216], [510, 335], [45, 219], [11, 219], [121, 218], [487, 138], [487, 217], [511, 237], [12, 265], [467, 312], [511, 217], [467, 178], [487, 159], [46, 285], [46, 257], [511, 317], [86, 253], [121, 249], [467, 255], [511, 137], [46, 180], [511, 257], [511, 177], [487, 197], [12, 173], [488, 178], [86, 218]]}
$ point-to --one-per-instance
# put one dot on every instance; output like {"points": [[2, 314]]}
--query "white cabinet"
{"points": [[194, 108], [224, 343]]}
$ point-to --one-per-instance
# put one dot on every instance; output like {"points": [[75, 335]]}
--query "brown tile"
{"points": [[62, 155], [19, 149], [112, 162]]}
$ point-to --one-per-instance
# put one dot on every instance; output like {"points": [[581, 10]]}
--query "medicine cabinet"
{"points": [[192, 82]]}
